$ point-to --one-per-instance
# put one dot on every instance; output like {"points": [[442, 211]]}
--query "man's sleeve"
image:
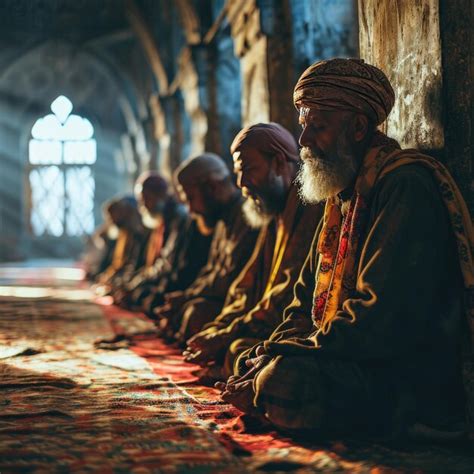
{"points": [[268, 313], [297, 321], [401, 266]]}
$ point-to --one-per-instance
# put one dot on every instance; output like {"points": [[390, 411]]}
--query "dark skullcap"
{"points": [[122, 202], [151, 181], [345, 84], [129, 200], [268, 138], [201, 168]]}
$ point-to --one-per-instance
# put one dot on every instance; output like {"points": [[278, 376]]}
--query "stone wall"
{"points": [[276, 41], [425, 48], [457, 43], [323, 29], [251, 48], [403, 38]]}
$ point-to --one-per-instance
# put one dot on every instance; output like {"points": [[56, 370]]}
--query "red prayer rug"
{"points": [[68, 406]]}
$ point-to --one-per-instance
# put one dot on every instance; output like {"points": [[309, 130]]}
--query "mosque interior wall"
{"points": [[163, 80]]}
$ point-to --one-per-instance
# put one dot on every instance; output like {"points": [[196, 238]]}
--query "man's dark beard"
{"points": [[208, 220], [267, 204]]}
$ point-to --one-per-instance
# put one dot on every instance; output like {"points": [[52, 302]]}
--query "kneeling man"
{"points": [[372, 341], [266, 162]]}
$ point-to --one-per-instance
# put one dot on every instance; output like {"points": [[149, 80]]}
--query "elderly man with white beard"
{"points": [[373, 341], [266, 163]]}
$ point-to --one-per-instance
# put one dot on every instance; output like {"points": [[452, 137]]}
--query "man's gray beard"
{"points": [[319, 180], [149, 220], [254, 216]]}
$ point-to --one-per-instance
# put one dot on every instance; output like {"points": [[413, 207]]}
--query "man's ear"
{"points": [[213, 186], [361, 127], [280, 162]]}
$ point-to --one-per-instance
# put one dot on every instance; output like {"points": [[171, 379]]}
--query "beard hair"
{"points": [[319, 179], [150, 221], [255, 217]]}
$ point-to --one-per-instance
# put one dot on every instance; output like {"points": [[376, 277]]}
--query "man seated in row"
{"points": [[99, 247], [205, 183], [169, 223], [122, 215], [175, 270], [266, 162], [371, 343]]}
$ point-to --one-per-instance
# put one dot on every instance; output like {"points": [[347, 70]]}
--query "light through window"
{"points": [[62, 151]]}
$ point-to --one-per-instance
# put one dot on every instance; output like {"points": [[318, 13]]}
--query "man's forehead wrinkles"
{"points": [[308, 114]]}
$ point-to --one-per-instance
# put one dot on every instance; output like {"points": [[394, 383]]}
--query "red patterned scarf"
{"points": [[340, 237]]}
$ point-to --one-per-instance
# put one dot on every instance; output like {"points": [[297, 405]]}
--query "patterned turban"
{"points": [[268, 138], [345, 84]]}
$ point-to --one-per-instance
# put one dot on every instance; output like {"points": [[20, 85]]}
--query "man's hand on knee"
{"points": [[240, 395], [239, 390], [204, 347]]}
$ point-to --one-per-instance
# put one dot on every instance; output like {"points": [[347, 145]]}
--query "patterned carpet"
{"points": [[66, 406]]}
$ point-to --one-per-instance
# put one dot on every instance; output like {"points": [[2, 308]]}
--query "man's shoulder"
{"points": [[310, 210], [412, 177]]}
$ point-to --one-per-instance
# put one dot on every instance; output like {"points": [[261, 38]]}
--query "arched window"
{"points": [[62, 151]]}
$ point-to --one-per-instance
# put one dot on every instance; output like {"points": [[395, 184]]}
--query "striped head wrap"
{"points": [[345, 84]]}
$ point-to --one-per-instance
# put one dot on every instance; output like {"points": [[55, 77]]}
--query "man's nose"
{"points": [[305, 137], [239, 179], [245, 192]]}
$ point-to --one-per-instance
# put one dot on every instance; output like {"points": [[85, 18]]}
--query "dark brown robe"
{"points": [[232, 244], [258, 297], [391, 359]]}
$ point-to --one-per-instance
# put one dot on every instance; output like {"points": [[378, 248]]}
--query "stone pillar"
{"points": [[192, 95], [457, 48], [228, 95], [426, 49], [161, 135], [262, 40]]}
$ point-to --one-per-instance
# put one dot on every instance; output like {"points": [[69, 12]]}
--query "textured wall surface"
{"points": [[457, 41], [251, 47], [323, 29], [276, 41], [255, 96], [426, 47], [402, 37]]}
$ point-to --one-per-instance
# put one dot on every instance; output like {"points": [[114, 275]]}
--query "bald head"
{"points": [[152, 181]]}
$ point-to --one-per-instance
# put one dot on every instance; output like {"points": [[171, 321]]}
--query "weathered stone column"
{"points": [[427, 53], [262, 41], [191, 86], [457, 56]]}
